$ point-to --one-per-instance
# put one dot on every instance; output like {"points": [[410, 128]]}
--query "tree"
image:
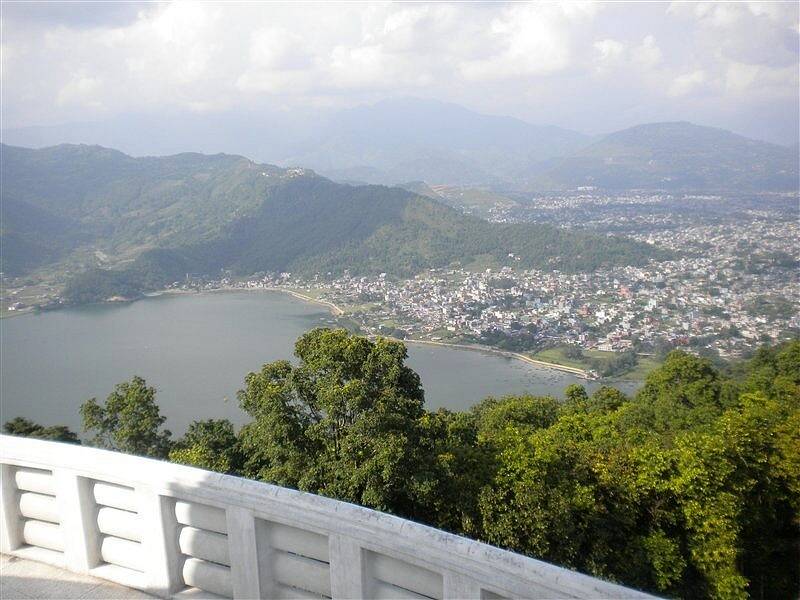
{"points": [[685, 392], [606, 399], [460, 465], [344, 423], [210, 444], [775, 371], [530, 412], [130, 421], [738, 499], [690, 489], [580, 494], [575, 394], [25, 428]]}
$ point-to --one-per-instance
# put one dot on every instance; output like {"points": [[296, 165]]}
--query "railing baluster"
{"points": [[347, 568], [159, 543], [243, 553], [10, 521], [78, 521], [460, 587]]}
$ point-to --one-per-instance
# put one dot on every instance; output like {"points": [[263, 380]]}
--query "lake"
{"points": [[196, 349]]}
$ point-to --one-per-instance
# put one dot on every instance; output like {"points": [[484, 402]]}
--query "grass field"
{"points": [[556, 355]]}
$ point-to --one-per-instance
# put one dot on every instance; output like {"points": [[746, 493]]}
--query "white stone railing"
{"points": [[180, 532]]}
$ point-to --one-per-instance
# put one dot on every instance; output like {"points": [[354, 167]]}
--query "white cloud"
{"points": [[532, 39], [609, 51], [687, 83], [540, 61], [647, 54], [613, 56], [739, 76], [81, 90]]}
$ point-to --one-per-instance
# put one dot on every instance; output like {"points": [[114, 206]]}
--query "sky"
{"points": [[592, 67]]}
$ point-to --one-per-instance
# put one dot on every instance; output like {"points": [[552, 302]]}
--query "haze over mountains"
{"points": [[153, 220], [408, 139]]}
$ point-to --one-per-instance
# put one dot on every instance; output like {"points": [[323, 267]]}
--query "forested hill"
{"points": [[57, 202], [310, 225], [676, 156], [198, 214]]}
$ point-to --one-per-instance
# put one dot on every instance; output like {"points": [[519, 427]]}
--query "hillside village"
{"points": [[734, 285]]}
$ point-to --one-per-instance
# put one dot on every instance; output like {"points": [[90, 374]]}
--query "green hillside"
{"points": [[31, 236], [311, 225], [676, 156], [155, 219], [120, 204]]}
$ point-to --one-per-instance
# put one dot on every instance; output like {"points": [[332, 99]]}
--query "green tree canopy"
{"points": [[26, 428], [210, 444], [527, 411], [344, 422], [690, 489], [129, 421], [684, 392]]}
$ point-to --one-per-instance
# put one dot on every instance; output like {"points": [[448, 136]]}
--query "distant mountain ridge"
{"points": [[160, 218], [675, 156], [410, 139]]}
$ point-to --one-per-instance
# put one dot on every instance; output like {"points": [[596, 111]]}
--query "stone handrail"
{"points": [[179, 532]]}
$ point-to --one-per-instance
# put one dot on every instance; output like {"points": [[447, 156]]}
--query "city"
{"points": [[732, 286]]}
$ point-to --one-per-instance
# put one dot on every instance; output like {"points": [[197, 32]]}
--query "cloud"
{"points": [[71, 14], [613, 56], [609, 51], [583, 65], [647, 54], [752, 33], [687, 83], [529, 39]]}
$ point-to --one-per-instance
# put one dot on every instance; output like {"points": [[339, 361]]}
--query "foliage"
{"points": [[25, 428], [243, 221], [619, 364], [494, 415], [689, 489], [153, 269], [129, 421], [98, 285], [210, 444], [345, 422]]}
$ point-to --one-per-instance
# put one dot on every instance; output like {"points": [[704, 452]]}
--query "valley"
{"points": [[597, 279]]}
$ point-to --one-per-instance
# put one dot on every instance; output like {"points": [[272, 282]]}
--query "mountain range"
{"points": [[124, 224], [408, 139], [676, 156]]}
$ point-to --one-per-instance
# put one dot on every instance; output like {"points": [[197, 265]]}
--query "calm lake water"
{"points": [[196, 350]]}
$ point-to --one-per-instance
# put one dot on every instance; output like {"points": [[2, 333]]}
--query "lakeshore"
{"points": [[539, 363], [335, 310], [196, 349], [338, 311]]}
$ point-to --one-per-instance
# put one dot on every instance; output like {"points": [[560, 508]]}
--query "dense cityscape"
{"points": [[732, 286]]}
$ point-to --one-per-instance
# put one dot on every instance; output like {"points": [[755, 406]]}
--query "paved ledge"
{"points": [[24, 579]]}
